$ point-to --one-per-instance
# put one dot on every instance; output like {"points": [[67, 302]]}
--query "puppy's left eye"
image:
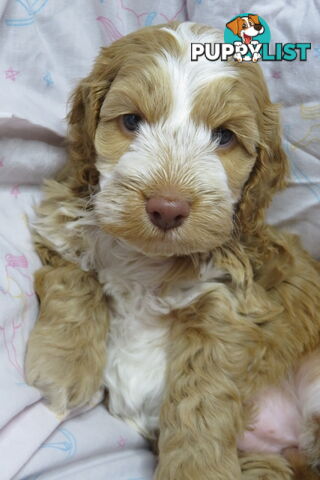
{"points": [[131, 122], [223, 136]]}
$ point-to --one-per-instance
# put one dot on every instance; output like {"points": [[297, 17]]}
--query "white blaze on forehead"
{"points": [[188, 145], [188, 155], [187, 77]]}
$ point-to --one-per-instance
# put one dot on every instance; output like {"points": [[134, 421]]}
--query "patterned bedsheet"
{"points": [[46, 46]]}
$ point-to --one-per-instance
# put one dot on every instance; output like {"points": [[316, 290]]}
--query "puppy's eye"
{"points": [[131, 122], [244, 26], [223, 136]]}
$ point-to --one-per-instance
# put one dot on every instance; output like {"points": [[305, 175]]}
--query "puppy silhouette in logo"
{"points": [[246, 28]]}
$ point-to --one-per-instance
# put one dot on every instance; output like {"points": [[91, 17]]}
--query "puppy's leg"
{"points": [[202, 410], [255, 466], [219, 360], [66, 353]]}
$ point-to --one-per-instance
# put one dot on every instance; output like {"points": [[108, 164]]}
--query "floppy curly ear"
{"points": [[268, 176], [86, 102]]}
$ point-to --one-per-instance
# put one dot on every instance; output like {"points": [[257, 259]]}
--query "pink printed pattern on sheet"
{"points": [[112, 32], [19, 288]]}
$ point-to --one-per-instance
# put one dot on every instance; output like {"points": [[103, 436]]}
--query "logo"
{"points": [[247, 32], [247, 39]]}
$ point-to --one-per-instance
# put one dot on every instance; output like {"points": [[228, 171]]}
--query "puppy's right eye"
{"points": [[131, 122]]}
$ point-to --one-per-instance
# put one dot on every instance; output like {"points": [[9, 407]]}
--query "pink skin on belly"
{"points": [[278, 423]]}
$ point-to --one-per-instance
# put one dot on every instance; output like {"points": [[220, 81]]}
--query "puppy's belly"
{"points": [[135, 372], [277, 425], [135, 379]]}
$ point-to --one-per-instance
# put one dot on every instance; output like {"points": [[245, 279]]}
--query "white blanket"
{"points": [[46, 46]]}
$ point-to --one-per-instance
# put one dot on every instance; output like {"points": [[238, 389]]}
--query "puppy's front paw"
{"points": [[66, 378]]}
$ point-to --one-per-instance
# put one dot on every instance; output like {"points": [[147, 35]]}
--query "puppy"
{"points": [[246, 28], [161, 280]]}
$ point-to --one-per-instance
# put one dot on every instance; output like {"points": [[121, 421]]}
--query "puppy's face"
{"points": [[176, 142]]}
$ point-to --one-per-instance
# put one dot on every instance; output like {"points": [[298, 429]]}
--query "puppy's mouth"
{"points": [[166, 222], [247, 39], [182, 237]]}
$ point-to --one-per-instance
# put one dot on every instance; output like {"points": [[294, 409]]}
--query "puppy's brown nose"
{"points": [[167, 213]]}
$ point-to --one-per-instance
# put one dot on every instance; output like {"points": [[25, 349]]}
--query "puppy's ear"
{"points": [[86, 102], [254, 18], [88, 97], [234, 26], [268, 176]]}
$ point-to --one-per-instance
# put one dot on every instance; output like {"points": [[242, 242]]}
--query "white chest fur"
{"points": [[139, 328], [136, 362]]}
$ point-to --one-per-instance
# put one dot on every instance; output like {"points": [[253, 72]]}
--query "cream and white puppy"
{"points": [[172, 165]]}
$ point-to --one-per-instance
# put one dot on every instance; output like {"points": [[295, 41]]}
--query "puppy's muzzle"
{"points": [[166, 213], [258, 27]]}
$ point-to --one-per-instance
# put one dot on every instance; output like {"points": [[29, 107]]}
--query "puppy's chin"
{"points": [[121, 211], [180, 241], [168, 246]]}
